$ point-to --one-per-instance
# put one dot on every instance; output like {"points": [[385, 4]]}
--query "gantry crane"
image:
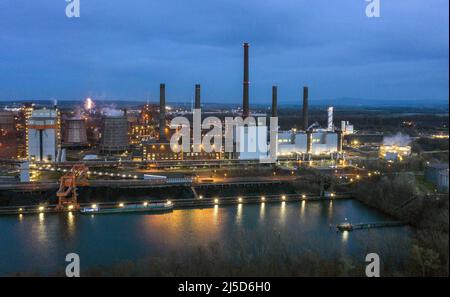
{"points": [[67, 192]]}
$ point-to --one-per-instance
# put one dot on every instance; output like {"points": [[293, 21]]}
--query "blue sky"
{"points": [[123, 49]]}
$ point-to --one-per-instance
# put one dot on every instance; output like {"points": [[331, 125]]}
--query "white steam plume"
{"points": [[112, 112], [398, 139]]}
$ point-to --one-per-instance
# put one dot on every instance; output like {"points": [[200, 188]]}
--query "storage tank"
{"points": [[114, 134], [75, 132]]}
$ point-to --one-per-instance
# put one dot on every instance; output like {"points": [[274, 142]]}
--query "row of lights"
{"points": [[121, 204], [216, 201], [263, 198], [42, 208], [49, 167]]}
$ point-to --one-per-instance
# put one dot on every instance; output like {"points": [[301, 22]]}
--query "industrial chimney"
{"points": [[162, 111], [305, 108], [246, 83], [197, 97], [330, 119], [274, 101]]}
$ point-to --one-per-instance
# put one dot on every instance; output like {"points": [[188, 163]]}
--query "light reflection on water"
{"points": [[302, 209], [262, 211], [344, 236], [216, 214], [239, 214], [42, 234], [70, 223], [330, 208], [283, 213], [41, 241]]}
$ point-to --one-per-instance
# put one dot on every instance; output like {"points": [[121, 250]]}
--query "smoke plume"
{"points": [[112, 112], [398, 139]]}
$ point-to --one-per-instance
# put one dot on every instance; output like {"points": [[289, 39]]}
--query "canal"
{"points": [[39, 243]]}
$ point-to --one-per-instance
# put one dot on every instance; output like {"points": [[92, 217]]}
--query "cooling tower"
{"points": [[75, 132], [114, 134]]}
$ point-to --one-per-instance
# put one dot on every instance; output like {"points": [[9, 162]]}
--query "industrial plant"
{"points": [[224, 147], [92, 157], [92, 133]]}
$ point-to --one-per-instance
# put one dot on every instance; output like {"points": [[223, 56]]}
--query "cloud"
{"points": [[124, 49]]}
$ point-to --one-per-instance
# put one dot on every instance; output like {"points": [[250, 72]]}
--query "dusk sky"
{"points": [[123, 49]]}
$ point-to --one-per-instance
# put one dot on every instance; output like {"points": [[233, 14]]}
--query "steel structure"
{"points": [[67, 192]]}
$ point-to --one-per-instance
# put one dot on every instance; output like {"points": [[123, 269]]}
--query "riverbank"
{"points": [[198, 202], [401, 198], [113, 194]]}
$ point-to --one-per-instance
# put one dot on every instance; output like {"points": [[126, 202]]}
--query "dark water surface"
{"points": [[39, 243]]}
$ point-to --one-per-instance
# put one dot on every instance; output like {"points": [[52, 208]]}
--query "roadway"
{"points": [[222, 181]]}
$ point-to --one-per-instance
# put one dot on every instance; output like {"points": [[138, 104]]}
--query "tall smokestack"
{"points": [[305, 108], [162, 111], [274, 101], [246, 83], [197, 97], [330, 119]]}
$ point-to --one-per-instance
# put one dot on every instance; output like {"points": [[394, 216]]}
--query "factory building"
{"points": [[144, 127], [251, 142], [347, 128], [159, 151], [22, 129], [292, 143], [43, 136], [308, 142], [311, 141], [8, 135], [394, 152]]}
